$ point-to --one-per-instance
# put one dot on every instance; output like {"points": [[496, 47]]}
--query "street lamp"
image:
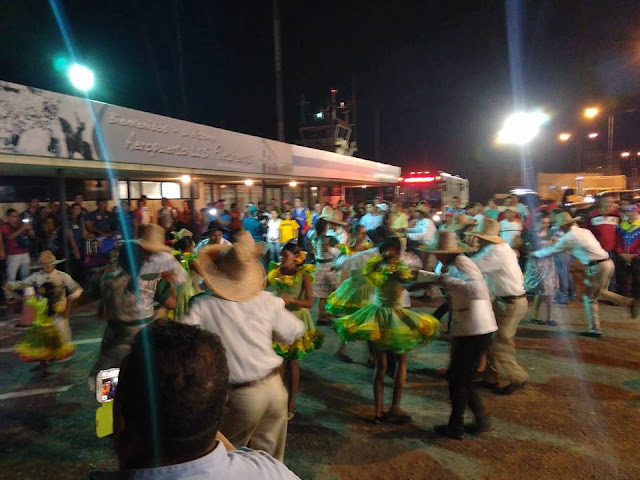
{"points": [[81, 77], [593, 135], [591, 112], [520, 128], [564, 136]]}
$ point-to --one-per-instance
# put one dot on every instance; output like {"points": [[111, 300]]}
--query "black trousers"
{"points": [[466, 353], [622, 273]]}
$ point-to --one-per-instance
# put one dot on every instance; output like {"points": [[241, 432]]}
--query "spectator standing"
{"points": [[288, 228], [130, 221], [16, 238], [302, 215], [455, 207], [603, 222], [76, 235], [79, 199], [30, 216], [167, 216], [317, 210], [492, 209], [372, 219], [273, 236], [235, 225], [252, 225], [144, 214], [511, 228], [186, 216], [628, 255], [100, 221]]}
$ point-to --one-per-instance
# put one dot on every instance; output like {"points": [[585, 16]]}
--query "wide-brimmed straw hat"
{"points": [[446, 242], [564, 218], [489, 230], [153, 239], [233, 272], [332, 216], [47, 258], [460, 221]]}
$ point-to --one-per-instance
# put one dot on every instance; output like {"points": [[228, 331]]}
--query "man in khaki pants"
{"points": [[581, 243], [248, 320], [499, 265]]}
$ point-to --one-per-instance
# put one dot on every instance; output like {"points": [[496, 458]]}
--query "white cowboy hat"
{"points": [[564, 218], [153, 239], [446, 242], [489, 231], [332, 216], [233, 272], [47, 258]]}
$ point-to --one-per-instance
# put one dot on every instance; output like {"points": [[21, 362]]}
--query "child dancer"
{"points": [[392, 329], [184, 247], [43, 342], [326, 280], [292, 280]]}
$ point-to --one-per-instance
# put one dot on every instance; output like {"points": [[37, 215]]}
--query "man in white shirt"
{"points": [[160, 259], [212, 236], [425, 229], [511, 228], [581, 243], [248, 320], [273, 236], [167, 215], [472, 328], [372, 219], [499, 265], [168, 429]]}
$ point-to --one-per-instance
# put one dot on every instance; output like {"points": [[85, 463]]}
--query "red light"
{"points": [[334, 91], [419, 180]]}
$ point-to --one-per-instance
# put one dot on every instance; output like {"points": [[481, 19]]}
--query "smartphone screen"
{"points": [[106, 384]]}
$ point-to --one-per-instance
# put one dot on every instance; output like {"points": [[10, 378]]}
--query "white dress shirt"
{"points": [[499, 265], [159, 262], [248, 330], [580, 243], [371, 222], [510, 230], [61, 280], [423, 232], [470, 299]]}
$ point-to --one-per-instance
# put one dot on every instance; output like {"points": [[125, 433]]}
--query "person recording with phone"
{"points": [[169, 428], [17, 237]]}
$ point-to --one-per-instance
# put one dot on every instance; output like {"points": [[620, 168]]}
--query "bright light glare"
{"points": [[212, 211], [248, 182], [314, 188], [563, 137], [436, 218], [591, 112], [593, 135], [186, 179], [625, 154], [363, 186], [293, 184], [521, 127], [81, 77]]}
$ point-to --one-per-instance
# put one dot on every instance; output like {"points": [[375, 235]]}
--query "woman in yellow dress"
{"points": [[292, 280], [392, 329]]}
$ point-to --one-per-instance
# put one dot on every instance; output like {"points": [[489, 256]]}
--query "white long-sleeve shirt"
{"points": [[247, 330], [423, 232], [580, 243], [499, 265], [159, 262], [61, 280], [470, 299]]}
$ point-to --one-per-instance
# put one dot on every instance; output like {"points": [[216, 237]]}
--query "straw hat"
{"points": [[182, 233], [460, 221], [233, 272], [489, 230], [153, 239], [332, 216], [564, 218], [446, 242], [47, 258]]}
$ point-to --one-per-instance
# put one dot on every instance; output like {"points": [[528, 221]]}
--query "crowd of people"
{"points": [[238, 289]]}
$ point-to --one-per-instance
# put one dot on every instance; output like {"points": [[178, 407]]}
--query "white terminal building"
{"points": [[55, 146]]}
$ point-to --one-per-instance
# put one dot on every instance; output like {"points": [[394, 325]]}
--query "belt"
{"points": [[252, 383], [595, 262], [324, 260], [133, 323], [512, 298]]}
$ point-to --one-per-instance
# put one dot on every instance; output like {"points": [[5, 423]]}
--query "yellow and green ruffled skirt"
{"points": [[353, 294], [389, 328], [43, 342], [310, 341]]}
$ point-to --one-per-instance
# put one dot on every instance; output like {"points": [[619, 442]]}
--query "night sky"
{"points": [[437, 71]]}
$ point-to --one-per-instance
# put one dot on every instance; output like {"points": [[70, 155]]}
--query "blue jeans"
{"points": [[274, 251], [566, 286]]}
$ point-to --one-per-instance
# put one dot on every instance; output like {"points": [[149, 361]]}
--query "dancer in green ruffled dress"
{"points": [[392, 329], [184, 246], [292, 280]]}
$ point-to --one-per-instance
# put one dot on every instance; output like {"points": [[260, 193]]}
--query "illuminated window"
{"points": [[171, 190]]}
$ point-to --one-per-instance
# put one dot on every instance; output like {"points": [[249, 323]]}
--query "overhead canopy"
{"points": [[41, 131]]}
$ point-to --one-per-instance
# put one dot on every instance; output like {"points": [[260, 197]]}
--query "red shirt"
{"points": [[603, 226], [11, 247]]}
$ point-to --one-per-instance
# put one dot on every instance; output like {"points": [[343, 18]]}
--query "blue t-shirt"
{"points": [[129, 219], [254, 227], [101, 220]]}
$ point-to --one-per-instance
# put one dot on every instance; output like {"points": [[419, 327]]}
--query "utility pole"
{"points": [[277, 55]]}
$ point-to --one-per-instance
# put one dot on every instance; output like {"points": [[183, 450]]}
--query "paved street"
{"points": [[577, 418]]}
